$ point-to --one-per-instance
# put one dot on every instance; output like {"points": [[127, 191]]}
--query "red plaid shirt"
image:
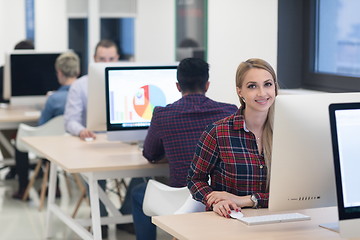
{"points": [[176, 128], [228, 153]]}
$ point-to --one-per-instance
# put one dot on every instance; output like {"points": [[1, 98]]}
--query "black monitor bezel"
{"points": [[52, 80], [344, 212], [117, 127]]}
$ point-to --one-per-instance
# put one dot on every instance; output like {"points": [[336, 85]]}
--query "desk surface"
{"points": [[98, 159], [208, 225], [76, 156], [19, 114]]}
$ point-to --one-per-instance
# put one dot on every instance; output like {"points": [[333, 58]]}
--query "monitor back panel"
{"points": [[302, 172]]}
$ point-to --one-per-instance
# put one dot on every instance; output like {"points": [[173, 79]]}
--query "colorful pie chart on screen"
{"points": [[146, 99]]}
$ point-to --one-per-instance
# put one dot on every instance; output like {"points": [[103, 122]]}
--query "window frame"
{"points": [[315, 80]]}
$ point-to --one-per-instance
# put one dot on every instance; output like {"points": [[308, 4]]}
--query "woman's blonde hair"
{"points": [[69, 64], [267, 134]]}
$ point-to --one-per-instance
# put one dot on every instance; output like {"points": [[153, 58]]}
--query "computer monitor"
{"points": [[345, 135], [28, 76], [302, 171], [96, 107], [131, 95]]}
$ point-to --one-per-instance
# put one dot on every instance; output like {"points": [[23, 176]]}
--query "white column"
{"points": [[93, 27], [155, 31], [238, 30], [51, 26]]}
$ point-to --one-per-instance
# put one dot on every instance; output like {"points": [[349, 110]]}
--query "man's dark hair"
{"points": [[25, 44], [106, 43], [193, 74]]}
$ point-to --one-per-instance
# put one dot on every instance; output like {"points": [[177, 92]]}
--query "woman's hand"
{"points": [[224, 207], [217, 196]]}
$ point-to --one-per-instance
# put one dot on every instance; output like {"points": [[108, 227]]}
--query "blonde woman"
{"points": [[67, 67], [235, 152]]}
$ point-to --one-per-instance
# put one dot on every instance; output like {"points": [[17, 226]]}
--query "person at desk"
{"points": [[75, 122], [76, 105], [10, 134], [236, 151], [67, 67], [174, 131]]}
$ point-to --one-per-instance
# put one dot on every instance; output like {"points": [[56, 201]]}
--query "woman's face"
{"points": [[257, 90]]}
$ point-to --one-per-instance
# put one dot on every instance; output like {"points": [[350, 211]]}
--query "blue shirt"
{"points": [[55, 105], [176, 128]]}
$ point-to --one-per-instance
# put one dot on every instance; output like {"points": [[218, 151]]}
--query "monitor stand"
{"points": [[333, 226], [139, 144]]}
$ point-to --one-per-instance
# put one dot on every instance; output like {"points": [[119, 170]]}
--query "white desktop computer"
{"points": [[302, 171], [132, 93], [345, 135], [28, 76], [96, 106]]}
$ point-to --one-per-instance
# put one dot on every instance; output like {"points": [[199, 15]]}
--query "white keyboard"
{"points": [[274, 218]]}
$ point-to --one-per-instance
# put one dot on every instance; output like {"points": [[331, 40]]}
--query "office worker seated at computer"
{"points": [[235, 152], [75, 122], [67, 67], [11, 133], [174, 132]]}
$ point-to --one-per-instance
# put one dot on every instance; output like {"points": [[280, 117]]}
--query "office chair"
{"points": [[161, 199], [53, 127]]}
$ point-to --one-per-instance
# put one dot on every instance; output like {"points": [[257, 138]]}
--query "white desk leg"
{"points": [[51, 199], [95, 207]]}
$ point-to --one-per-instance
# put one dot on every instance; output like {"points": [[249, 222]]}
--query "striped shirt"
{"points": [[176, 128], [228, 153]]}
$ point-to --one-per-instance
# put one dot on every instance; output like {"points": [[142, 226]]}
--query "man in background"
{"points": [[174, 132], [11, 134], [76, 106], [75, 124]]}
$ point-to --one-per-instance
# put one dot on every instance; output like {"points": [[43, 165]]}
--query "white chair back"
{"points": [[53, 127], [191, 205], [161, 199]]}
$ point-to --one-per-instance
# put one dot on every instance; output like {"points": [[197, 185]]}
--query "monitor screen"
{"points": [[345, 135], [132, 93], [96, 107], [302, 171], [29, 74]]}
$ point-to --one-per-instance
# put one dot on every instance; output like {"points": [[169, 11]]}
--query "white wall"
{"points": [[155, 31], [238, 30], [12, 25], [50, 25]]}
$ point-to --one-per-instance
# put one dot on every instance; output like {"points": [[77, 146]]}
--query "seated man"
{"points": [[11, 133], [75, 122], [174, 132], [67, 67]]}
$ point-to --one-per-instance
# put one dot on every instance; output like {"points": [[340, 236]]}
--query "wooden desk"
{"points": [[210, 226], [10, 118], [99, 159]]}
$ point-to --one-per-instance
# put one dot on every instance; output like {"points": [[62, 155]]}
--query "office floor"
{"points": [[23, 221]]}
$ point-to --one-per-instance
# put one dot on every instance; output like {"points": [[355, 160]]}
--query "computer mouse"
{"points": [[235, 214], [89, 139]]}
